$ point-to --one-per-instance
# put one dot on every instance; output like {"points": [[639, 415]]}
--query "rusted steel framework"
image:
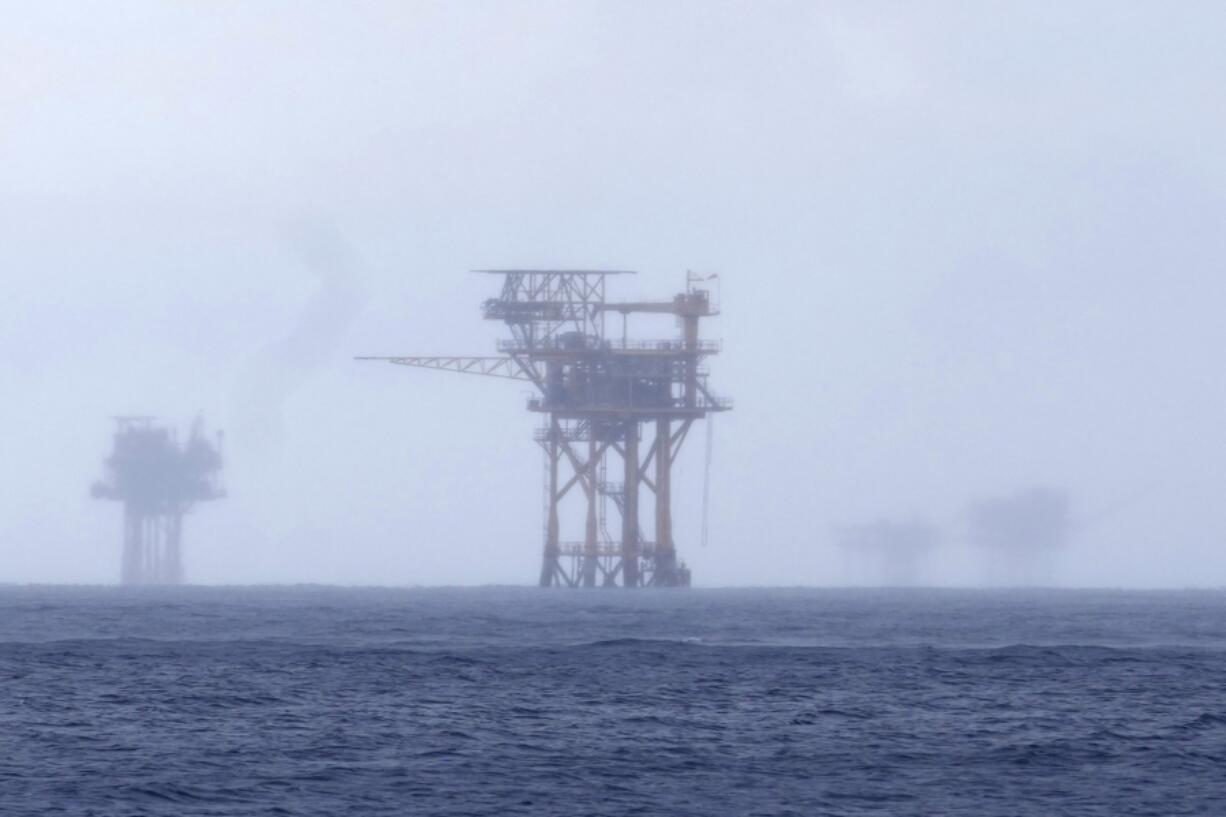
{"points": [[601, 398], [158, 480]]}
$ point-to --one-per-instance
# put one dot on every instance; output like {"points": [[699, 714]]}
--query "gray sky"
{"points": [[965, 248]]}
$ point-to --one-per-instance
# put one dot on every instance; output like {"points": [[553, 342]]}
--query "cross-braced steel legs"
{"points": [[597, 559]]}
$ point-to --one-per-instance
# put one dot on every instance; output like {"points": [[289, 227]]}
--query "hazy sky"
{"points": [[965, 248]]}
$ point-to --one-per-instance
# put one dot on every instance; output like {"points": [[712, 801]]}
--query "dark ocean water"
{"points": [[702, 702]]}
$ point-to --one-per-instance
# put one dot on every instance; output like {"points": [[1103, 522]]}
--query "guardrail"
{"points": [[512, 345], [674, 406]]}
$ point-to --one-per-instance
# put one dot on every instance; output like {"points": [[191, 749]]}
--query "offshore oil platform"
{"points": [[599, 393], [1022, 534], [889, 551], [158, 480]]}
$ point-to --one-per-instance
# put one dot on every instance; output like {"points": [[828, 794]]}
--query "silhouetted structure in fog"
{"points": [[1022, 531], [158, 480], [891, 550], [596, 394]]}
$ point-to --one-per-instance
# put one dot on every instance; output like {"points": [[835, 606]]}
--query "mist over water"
{"points": [[965, 252]]}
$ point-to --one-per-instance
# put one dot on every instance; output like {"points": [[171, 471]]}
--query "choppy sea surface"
{"points": [[501, 701]]}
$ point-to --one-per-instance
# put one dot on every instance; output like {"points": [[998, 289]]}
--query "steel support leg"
{"points": [[133, 527], [589, 540], [630, 508], [666, 555], [549, 560], [172, 565]]}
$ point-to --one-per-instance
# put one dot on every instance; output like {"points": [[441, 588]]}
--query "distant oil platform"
{"points": [[890, 550], [1022, 533], [600, 393], [1019, 535], [158, 480]]}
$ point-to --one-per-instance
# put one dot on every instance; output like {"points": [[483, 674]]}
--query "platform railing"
{"points": [[551, 345]]}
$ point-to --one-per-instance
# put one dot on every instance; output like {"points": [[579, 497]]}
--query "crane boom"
{"points": [[505, 367]]}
